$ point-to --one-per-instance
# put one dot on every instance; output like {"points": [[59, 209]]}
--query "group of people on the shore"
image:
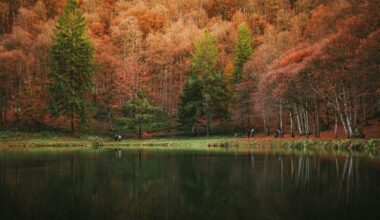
{"points": [[278, 133], [117, 137], [251, 133]]}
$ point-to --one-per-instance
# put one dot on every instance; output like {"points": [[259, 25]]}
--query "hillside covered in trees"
{"points": [[199, 66]]}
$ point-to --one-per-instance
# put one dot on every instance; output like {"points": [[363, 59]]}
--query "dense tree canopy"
{"points": [[304, 66]]}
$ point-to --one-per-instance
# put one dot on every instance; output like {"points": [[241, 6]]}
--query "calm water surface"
{"points": [[177, 184]]}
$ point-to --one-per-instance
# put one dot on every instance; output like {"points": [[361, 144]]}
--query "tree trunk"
{"points": [[281, 119], [347, 113], [208, 127], [314, 125], [124, 56], [171, 114], [318, 120], [266, 131], [336, 125], [72, 122], [249, 122], [339, 113], [349, 127], [242, 114], [300, 131], [328, 117], [109, 120], [18, 98], [207, 117], [5, 116], [291, 124], [17, 113], [356, 112], [344, 124], [194, 129], [365, 120], [140, 132], [1, 108], [307, 129]]}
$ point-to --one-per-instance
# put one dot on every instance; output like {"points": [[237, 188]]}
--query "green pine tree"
{"points": [[216, 97], [191, 103], [205, 93], [243, 53], [205, 55], [139, 114], [71, 62], [243, 50]]}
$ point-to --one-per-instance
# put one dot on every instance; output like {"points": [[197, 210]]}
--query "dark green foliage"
{"points": [[205, 94], [102, 113], [71, 62], [243, 50], [216, 94], [140, 114], [190, 107]]}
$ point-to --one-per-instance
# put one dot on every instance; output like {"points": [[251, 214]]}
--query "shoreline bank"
{"points": [[371, 146]]}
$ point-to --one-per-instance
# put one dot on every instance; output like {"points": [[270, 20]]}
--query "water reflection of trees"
{"points": [[170, 185]]}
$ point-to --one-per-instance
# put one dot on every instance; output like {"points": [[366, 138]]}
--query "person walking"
{"points": [[252, 132]]}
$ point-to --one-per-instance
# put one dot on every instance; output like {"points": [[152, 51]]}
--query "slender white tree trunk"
{"points": [[281, 120], [265, 120], [300, 131], [336, 125], [344, 124], [291, 124], [307, 130]]}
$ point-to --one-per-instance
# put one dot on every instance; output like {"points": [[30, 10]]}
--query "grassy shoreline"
{"points": [[32, 140]]}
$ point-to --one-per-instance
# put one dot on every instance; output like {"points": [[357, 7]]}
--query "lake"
{"points": [[186, 184]]}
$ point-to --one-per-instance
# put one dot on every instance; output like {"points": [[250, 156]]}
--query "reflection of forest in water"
{"points": [[186, 185]]}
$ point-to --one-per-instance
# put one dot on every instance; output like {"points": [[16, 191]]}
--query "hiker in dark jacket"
{"points": [[252, 132]]}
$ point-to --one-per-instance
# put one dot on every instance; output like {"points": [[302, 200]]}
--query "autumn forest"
{"points": [[198, 67]]}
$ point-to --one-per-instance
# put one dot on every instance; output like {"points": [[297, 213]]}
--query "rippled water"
{"points": [[177, 184]]}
